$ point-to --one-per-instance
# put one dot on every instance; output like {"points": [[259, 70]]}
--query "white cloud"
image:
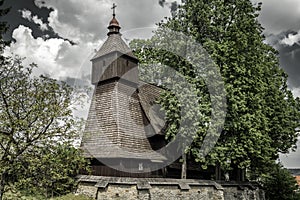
{"points": [[39, 22], [55, 57], [26, 14], [291, 39], [296, 92], [82, 21], [79, 21], [292, 159]]}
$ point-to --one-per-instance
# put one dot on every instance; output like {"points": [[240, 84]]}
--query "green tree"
{"points": [[37, 129], [262, 114], [186, 100], [279, 184], [51, 172]]}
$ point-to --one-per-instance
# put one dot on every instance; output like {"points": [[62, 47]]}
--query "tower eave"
{"points": [[114, 43], [130, 56]]}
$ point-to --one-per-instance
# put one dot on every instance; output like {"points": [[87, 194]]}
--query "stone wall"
{"points": [[111, 188], [243, 193]]}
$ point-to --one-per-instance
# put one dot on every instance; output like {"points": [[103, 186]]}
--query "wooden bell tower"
{"points": [[114, 59]]}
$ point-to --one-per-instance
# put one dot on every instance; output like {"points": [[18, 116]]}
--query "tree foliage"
{"points": [[279, 184], [51, 172], [37, 130], [262, 114]]}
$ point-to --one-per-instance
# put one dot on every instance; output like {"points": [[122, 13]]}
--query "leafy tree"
{"points": [[182, 84], [279, 184], [37, 129], [51, 172], [262, 114]]}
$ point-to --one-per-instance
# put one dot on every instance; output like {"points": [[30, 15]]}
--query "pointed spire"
{"points": [[114, 27]]}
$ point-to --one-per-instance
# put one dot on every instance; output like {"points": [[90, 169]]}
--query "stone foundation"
{"points": [[111, 188]]}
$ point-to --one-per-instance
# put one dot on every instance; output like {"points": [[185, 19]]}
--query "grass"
{"points": [[11, 196], [73, 197]]}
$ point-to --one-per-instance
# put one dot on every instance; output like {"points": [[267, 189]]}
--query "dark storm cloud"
{"points": [[280, 16], [289, 56], [290, 62], [281, 20], [14, 18], [173, 5]]}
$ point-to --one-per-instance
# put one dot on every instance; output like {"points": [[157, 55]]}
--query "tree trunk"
{"points": [[1, 193], [183, 166], [2, 185], [218, 172]]}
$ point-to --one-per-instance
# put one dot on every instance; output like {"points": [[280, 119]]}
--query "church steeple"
{"points": [[114, 27], [114, 59]]}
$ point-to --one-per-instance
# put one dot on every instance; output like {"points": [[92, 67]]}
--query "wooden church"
{"points": [[118, 130], [122, 127]]}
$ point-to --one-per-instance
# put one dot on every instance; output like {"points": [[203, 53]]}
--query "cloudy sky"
{"points": [[61, 35]]}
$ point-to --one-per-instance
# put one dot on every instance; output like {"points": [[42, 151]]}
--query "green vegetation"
{"points": [[37, 131], [22, 196], [73, 197], [279, 184], [262, 114]]}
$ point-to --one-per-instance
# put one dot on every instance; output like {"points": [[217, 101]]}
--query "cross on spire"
{"points": [[114, 9], [114, 27]]}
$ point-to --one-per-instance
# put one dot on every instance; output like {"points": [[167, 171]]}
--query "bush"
{"points": [[73, 197], [279, 184], [21, 195]]}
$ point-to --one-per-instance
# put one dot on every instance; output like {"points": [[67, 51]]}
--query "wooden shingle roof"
{"points": [[148, 95], [117, 126], [114, 43], [120, 118]]}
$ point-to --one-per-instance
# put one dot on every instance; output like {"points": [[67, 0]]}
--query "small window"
{"points": [[103, 62], [141, 168], [127, 62]]}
